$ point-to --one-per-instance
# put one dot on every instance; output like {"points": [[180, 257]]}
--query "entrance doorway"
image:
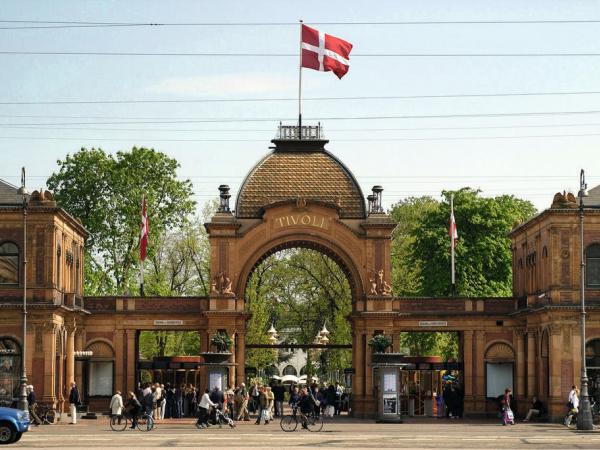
{"points": [[299, 299]]}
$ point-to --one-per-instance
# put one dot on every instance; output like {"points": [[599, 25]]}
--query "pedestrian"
{"points": [[243, 409], [205, 404], [230, 396], [156, 399], [262, 406], [170, 406], [179, 393], [574, 403], [294, 397], [339, 391], [330, 397], [536, 408], [270, 402], [32, 403], [116, 404], [162, 402], [74, 402], [507, 416], [147, 399], [279, 393], [134, 408]]}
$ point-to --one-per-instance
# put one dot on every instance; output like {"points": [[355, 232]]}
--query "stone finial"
{"points": [[224, 197], [564, 200]]}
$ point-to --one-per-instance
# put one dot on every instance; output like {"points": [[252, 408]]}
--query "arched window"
{"points": [[9, 263], [592, 267], [289, 370]]}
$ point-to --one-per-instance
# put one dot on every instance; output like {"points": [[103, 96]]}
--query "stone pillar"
{"points": [[240, 355], [49, 363], [531, 359], [70, 376], [555, 402], [478, 371], [130, 365], [520, 395], [467, 354], [120, 361], [574, 352]]}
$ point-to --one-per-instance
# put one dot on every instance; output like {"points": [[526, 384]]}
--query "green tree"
{"points": [[104, 191]]}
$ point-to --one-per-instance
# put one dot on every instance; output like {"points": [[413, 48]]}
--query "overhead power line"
{"points": [[42, 24], [295, 55], [453, 138], [150, 120], [295, 99]]}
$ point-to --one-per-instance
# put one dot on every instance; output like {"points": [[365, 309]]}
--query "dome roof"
{"points": [[301, 170]]}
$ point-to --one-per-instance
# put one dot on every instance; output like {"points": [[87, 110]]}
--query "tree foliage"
{"points": [[104, 191], [483, 255], [168, 343]]}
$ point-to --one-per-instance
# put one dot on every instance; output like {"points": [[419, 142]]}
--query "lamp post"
{"points": [[584, 418], [22, 404]]}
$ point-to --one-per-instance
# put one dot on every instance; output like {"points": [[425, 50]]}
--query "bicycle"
{"points": [[46, 414], [122, 421], [310, 421]]}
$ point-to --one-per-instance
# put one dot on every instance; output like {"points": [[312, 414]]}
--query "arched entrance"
{"points": [[300, 195]]}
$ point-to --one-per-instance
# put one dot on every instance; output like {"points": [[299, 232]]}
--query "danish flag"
{"points": [[325, 52], [144, 230], [453, 232]]}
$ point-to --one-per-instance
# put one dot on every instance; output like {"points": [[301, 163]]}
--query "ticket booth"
{"points": [[388, 389]]}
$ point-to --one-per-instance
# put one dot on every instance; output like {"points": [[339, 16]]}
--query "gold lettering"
{"points": [[321, 225], [307, 222], [280, 220], [294, 220], [306, 219]]}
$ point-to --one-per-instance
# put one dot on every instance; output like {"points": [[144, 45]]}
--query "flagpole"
{"points": [[452, 241], [141, 260], [300, 87]]}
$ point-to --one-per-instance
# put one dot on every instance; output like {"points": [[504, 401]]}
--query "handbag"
{"points": [[510, 415]]}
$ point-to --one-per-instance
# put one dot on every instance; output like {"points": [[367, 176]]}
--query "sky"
{"points": [[529, 155]]}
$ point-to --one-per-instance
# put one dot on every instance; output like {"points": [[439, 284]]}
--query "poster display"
{"points": [[215, 379], [390, 404], [389, 382]]}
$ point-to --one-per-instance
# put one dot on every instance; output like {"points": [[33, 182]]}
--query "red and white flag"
{"points": [[325, 52], [452, 231], [144, 230]]}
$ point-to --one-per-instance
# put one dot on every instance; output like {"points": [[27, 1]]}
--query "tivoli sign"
{"points": [[310, 220]]}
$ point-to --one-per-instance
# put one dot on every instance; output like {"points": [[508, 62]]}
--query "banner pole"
{"points": [[300, 87], [452, 240]]}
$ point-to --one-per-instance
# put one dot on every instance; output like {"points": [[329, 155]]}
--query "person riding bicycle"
{"points": [[134, 408], [294, 398], [306, 403]]}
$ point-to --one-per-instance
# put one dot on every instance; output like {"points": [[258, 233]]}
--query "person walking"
{"points": [[270, 402], [279, 393], [116, 404], [230, 396], [74, 402], [162, 402], [156, 399], [32, 403], [134, 409], [262, 406], [243, 409], [330, 398], [574, 406], [507, 416], [203, 407], [147, 399]]}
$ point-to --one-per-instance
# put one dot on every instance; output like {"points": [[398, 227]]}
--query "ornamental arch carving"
{"points": [[499, 351]]}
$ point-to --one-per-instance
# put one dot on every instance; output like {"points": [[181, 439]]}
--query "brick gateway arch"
{"points": [[300, 195]]}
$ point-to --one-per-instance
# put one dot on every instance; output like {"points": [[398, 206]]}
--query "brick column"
{"points": [[556, 401], [531, 359], [467, 353], [478, 371], [49, 344], [120, 362], [130, 364], [70, 375], [520, 394], [240, 357]]}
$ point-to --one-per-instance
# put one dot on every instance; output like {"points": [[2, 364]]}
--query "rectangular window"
{"points": [[101, 378], [499, 376], [9, 269]]}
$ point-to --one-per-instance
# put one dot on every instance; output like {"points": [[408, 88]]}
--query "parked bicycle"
{"points": [[46, 413], [310, 421], [121, 422]]}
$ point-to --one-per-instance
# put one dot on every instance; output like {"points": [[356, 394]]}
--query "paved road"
{"points": [[339, 433]]}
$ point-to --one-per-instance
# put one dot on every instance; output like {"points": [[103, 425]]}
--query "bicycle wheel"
{"points": [[145, 423], [50, 417], [118, 423], [288, 423], [314, 424]]}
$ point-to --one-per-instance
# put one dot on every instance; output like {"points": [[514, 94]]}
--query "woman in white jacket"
{"points": [[116, 404], [205, 404]]}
